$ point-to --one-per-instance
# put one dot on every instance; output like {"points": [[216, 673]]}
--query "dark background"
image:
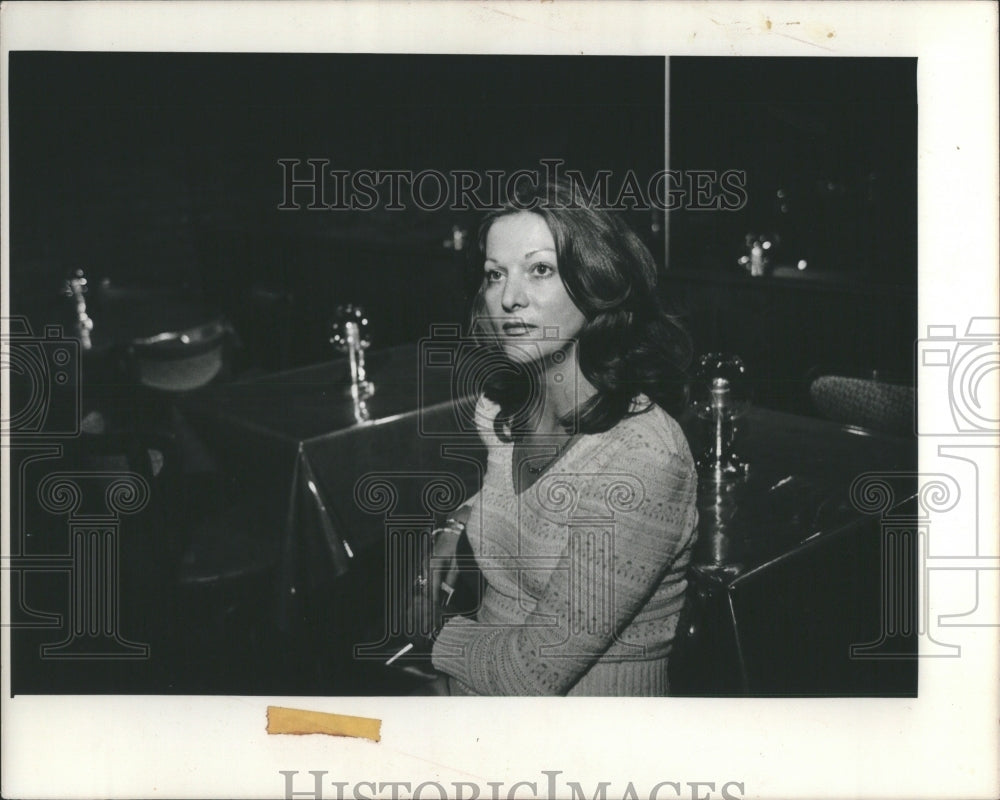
{"points": [[162, 169], [837, 137], [158, 174]]}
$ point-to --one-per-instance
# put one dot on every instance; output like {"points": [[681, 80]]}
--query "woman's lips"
{"points": [[517, 329]]}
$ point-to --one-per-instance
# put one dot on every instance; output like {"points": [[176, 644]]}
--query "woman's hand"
{"points": [[433, 590], [444, 560], [444, 568]]}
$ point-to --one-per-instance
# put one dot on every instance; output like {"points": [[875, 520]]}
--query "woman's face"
{"points": [[529, 309]]}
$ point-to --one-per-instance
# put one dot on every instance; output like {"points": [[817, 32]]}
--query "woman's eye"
{"points": [[493, 275], [542, 269]]}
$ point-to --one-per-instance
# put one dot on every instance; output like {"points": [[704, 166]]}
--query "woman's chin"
{"points": [[521, 352], [536, 351]]}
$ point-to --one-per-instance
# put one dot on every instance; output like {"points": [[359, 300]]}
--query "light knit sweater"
{"points": [[584, 570]]}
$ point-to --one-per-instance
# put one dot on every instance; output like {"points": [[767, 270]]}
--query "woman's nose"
{"points": [[514, 294]]}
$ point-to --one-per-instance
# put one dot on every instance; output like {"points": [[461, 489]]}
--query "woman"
{"points": [[584, 524]]}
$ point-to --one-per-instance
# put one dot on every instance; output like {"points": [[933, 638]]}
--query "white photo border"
{"points": [[942, 744]]}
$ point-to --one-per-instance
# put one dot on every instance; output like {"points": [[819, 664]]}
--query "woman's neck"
{"points": [[565, 387]]}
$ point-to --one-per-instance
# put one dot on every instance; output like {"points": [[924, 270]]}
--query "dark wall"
{"points": [[788, 332], [828, 149], [163, 168]]}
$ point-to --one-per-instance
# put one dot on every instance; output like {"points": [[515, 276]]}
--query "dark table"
{"points": [[788, 571], [345, 501], [804, 575]]}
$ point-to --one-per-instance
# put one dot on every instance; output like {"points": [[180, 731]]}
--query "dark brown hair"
{"points": [[629, 343]]}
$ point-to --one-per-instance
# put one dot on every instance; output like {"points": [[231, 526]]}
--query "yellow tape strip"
{"points": [[297, 721]]}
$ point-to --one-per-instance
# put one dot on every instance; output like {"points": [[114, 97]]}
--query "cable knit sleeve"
{"points": [[624, 521]]}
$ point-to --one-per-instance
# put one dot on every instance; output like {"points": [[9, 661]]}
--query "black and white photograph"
{"points": [[349, 380]]}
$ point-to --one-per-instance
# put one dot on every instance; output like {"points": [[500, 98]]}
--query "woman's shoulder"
{"points": [[647, 446], [649, 431]]}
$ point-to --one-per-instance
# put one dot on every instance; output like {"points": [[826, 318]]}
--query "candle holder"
{"points": [[75, 287], [759, 255], [719, 398], [351, 336]]}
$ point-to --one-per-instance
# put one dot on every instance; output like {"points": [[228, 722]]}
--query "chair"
{"points": [[871, 404], [221, 575]]}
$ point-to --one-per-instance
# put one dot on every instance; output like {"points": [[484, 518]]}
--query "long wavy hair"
{"points": [[628, 345]]}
